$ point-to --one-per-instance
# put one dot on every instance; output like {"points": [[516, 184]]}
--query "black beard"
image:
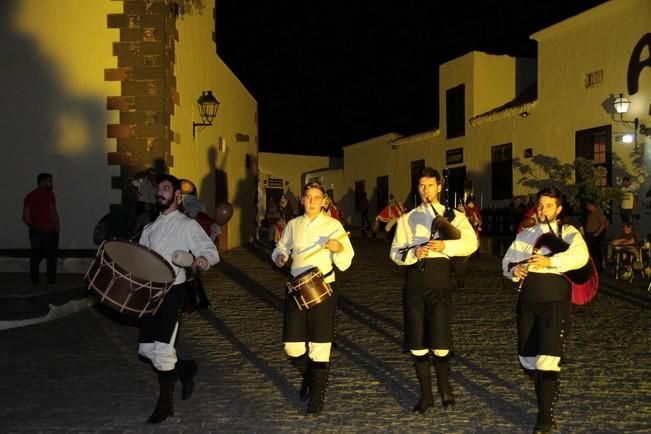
{"points": [[164, 205]]}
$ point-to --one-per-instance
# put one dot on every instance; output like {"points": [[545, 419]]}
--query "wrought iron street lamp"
{"points": [[621, 105], [208, 106]]}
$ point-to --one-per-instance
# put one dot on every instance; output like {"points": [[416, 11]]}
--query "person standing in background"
{"points": [[330, 208], [474, 217], [363, 210], [629, 200], [594, 230], [191, 207], [146, 208], [40, 215]]}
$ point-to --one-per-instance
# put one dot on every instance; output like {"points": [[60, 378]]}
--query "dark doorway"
{"points": [[417, 167], [360, 190], [502, 172], [382, 183], [273, 195], [456, 178]]}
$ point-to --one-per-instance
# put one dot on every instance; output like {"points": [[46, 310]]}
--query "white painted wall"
{"points": [[602, 38], [215, 149], [292, 169], [53, 113]]}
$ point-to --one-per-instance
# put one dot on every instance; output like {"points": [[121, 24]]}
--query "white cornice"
{"points": [[501, 114], [429, 134]]}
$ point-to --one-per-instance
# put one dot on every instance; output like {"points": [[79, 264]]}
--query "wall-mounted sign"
{"points": [[635, 65], [454, 156]]}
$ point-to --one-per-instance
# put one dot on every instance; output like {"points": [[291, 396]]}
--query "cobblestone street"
{"points": [[82, 374]]}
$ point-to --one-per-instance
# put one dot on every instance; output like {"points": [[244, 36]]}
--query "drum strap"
{"points": [[332, 270]]}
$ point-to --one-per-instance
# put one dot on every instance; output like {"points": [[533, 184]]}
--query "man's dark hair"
{"points": [[42, 177], [314, 184], [552, 192], [429, 172], [176, 184]]}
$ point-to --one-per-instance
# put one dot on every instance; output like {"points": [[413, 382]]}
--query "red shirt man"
{"points": [[39, 212], [40, 215]]}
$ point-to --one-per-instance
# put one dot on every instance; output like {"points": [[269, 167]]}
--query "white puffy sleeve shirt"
{"points": [[576, 256], [176, 231], [301, 237], [414, 228]]}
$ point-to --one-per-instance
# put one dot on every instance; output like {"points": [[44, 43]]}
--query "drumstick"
{"points": [[340, 237]]}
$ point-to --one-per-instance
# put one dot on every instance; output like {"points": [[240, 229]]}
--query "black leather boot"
{"points": [[532, 375], [442, 367], [424, 374], [547, 392], [165, 404], [187, 369], [318, 373], [300, 363]]}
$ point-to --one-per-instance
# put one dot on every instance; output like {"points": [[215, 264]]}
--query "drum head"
{"points": [[140, 261]]}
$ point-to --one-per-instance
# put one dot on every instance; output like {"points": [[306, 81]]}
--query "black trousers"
{"points": [[541, 328], [426, 303], [43, 245], [595, 247], [314, 325], [160, 327], [542, 315]]}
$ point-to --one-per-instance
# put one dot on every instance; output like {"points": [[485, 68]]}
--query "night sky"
{"points": [[330, 73]]}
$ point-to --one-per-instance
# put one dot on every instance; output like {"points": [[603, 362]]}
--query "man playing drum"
{"points": [[312, 240], [427, 282], [170, 232], [544, 299]]}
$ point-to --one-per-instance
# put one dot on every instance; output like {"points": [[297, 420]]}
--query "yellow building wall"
{"points": [[452, 74], [54, 113], [599, 39], [365, 161], [498, 79], [332, 179], [291, 169], [214, 148]]}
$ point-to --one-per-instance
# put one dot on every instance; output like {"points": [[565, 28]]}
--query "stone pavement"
{"points": [[81, 373]]}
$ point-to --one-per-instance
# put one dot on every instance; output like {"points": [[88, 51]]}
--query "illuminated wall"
{"points": [[332, 179], [96, 91], [366, 161], [222, 158], [291, 169], [53, 112], [582, 63], [602, 41]]}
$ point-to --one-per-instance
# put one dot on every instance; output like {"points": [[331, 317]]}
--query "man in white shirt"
{"points": [[417, 245], [170, 232], [629, 200], [312, 240], [544, 297]]}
